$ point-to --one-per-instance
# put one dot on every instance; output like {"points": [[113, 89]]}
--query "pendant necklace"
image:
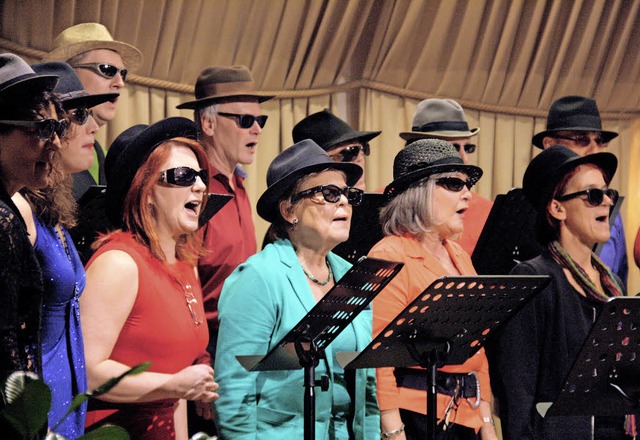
{"points": [[314, 279]]}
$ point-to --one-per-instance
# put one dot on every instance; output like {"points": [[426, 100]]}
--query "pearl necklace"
{"points": [[317, 281]]}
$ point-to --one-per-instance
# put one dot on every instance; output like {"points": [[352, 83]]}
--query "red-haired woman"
{"points": [[143, 301]]}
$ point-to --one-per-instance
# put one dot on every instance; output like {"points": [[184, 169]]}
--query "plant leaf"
{"points": [[28, 411], [106, 432]]}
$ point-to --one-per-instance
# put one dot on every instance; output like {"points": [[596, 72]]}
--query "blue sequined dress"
{"points": [[63, 365]]}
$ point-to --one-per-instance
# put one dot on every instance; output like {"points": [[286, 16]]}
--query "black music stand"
{"points": [[513, 220], [446, 324], [365, 228], [604, 378], [304, 345]]}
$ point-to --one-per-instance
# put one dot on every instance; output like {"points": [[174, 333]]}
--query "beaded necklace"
{"points": [[317, 281]]}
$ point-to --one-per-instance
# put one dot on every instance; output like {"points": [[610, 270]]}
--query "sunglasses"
{"points": [[469, 148], [183, 176], [79, 116], [105, 70], [350, 153], [583, 140], [45, 128], [246, 121], [453, 183], [332, 193], [595, 196]]}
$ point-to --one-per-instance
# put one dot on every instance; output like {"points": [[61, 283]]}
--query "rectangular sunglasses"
{"points": [[45, 128], [331, 194], [183, 176]]}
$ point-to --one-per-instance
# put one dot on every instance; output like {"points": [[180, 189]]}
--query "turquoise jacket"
{"points": [[260, 303]]}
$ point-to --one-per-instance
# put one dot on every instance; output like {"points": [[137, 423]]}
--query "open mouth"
{"points": [[603, 219], [341, 219], [251, 145], [193, 206], [461, 211]]}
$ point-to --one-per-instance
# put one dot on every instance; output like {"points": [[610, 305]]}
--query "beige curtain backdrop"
{"points": [[371, 62]]}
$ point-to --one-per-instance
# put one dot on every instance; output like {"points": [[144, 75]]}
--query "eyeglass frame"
{"points": [[238, 117], [95, 67], [360, 146], [59, 127], [611, 193], [169, 176], [580, 139], [321, 189], [446, 182]]}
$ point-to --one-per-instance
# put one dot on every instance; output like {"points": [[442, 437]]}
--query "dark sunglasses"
{"points": [[453, 183], [595, 196], [104, 70], [350, 153], [469, 148], [45, 128], [246, 121], [332, 193], [79, 116], [583, 140], [183, 176]]}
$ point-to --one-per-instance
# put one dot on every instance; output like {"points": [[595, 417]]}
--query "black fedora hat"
{"points": [[130, 150], [69, 88], [550, 166], [573, 113], [17, 77], [327, 130], [222, 84], [291, 165], [424, 157]]}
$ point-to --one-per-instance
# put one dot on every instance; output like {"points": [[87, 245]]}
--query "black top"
{"points": [[20, 294], [531, 356]]}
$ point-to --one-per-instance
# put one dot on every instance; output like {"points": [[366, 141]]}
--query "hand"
{"points": [[196, 383], [204, 409]]}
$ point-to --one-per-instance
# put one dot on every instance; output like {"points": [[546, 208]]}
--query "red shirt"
{"points": [[229, 238], [474, 220]]}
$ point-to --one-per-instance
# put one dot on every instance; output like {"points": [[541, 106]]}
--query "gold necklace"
{"points": [[314, 279]]}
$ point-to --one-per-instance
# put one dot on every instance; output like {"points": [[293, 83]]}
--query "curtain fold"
{"points": [[370, 62]]}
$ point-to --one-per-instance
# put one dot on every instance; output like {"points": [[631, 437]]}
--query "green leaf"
{"points": [[106, 432], [28, 411], [108, 385]]}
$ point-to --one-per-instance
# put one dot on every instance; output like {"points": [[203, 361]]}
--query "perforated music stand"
{"points": [[304, 345], [366, 230], [446, 324], [604, 378]]}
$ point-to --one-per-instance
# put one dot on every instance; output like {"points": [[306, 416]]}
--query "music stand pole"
{"points": [[309, 360]]}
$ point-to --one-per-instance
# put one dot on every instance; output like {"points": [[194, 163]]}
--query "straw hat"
{"points": [[90, 36]]}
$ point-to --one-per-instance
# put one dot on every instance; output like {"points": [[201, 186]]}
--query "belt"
{"points": [[458, 385]]}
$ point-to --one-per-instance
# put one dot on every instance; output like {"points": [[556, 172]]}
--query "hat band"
{"points": [[442, 126], [444, 161], [12, 81], [228, 88]]}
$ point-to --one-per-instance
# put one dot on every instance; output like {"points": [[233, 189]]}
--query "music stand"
{"points": [[304, 345], [513, 219], [603, 380], [366, 230], [446, 324]]}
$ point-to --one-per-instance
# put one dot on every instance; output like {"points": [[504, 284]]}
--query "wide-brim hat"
{"points": [[224, 84], [573, 113], [327, 130], [548, 168], [84, 37], [291, 165], [423, 158], [441, 118], [17, 77], [130, 150], [69, 88]]}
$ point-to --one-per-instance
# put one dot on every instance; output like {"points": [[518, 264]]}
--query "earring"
{"points": [[295, 222]]}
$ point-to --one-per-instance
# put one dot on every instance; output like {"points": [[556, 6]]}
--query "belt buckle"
{"points": [[474, 403]]}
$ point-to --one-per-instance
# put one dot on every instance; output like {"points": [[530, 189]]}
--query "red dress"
{"points": [[160, 329]]}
